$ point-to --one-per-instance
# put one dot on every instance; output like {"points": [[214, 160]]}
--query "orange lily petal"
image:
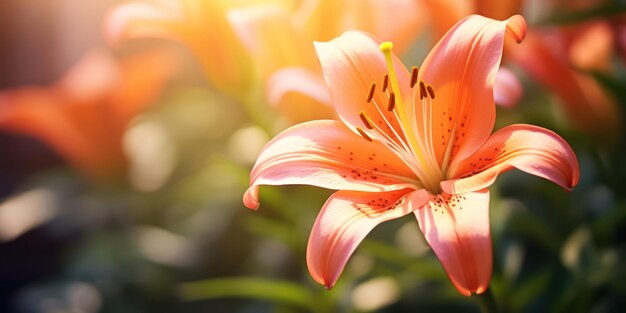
{"points": [[462, 69], [269, 34], [144, 20], [84, 115], [584, 100], [326, 154], [286, 62], [351, 63], [592, 47], [394, 20], [532, 149], [196, 24], [346, 218], [457, 229], [300, 95], [38, 112], [143, 77]]}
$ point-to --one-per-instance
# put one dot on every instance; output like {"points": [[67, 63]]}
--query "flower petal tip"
{"points": [[250, 198], [516, 27]]}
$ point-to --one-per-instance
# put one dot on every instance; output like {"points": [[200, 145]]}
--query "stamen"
{"points": [[370, 95], [392, 102], [360, 130], [414, 72], [366, 120], [423, 91], [430, 176], [431, 91], [385, 82]]}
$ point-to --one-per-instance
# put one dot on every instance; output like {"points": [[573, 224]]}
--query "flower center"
{"points": [[399, 128]]}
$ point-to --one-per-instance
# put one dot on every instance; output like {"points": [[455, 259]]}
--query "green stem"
{"points": [[487, 303]]}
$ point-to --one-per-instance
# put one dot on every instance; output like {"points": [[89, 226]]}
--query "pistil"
{"points": [[429, 167]]}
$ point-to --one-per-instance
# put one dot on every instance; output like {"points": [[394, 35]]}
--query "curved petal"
{"points": [[351, 63], [95, 75], [346, 218], [532, 149], [457, 229], [299, 94], [43, 114], [591, 108], [198, 25], [462, 69], [507, 90], [136, 91], [326, 154], [592, 47], [143, 20], [269, 35]]}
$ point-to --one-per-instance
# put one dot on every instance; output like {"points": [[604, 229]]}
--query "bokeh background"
{"points": [[123, 162]]}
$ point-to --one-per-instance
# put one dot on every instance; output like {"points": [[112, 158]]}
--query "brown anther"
{"points": [[385, 82], [392, 102], [431, 91], [423, 92], [414, 72], [370, 94], [366, 120], [360, 130]]}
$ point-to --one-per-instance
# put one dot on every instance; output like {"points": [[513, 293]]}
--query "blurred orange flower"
{"points": [[420, 144], [561, 58], [84, 114], [281, 41], [201, 26]]}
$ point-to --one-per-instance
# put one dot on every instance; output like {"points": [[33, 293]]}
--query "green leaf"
{"points": [[250, 287]]}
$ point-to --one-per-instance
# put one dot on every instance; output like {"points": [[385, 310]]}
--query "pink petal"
{"points": [[300, 95], [327, 154], [350, 63], [457, 229], [462, 69], [532, 149], [300, 80], [346, 218], [507, 90]]}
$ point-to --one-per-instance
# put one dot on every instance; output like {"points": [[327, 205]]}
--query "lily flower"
{"points": [[280, 39], [201, 26], [83, 116], [555, 61], [415, 141]]}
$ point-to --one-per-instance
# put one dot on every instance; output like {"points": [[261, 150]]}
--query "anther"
{"points": [[370, 94], [414, 72], [385, 82], [366, 120], [431, 91], [423, 92], [392, 102], [360, 130]]}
